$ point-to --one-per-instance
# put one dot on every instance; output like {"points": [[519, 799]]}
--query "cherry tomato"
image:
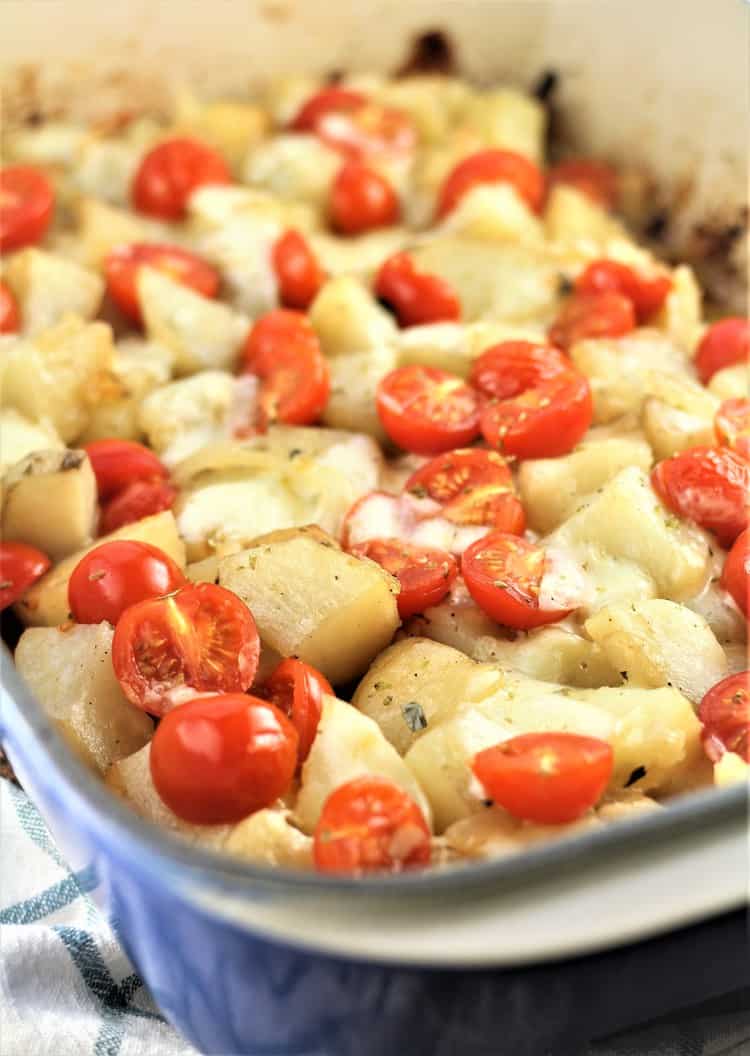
{"points": [[118, 462], [20, 567], [492, 166], [596, 179], [537, 405], [736, 572], [297, 270], [297, 689], [27, 201], [330, 100], [547, 778], [725, 714], [473, 486], [215, 760], [607, 314], [113, 576], [709, 486], [142, 498], [200, 639], [724, 344], [414, 296], [427, 410], [358, 128], [648, 293], [10, 320], [361, 200], [732, 426], [171, 171], [370, 825], [503, 574], [283, 350], [123, 263], [425, 574]]}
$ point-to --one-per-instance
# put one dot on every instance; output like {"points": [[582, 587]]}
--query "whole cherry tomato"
{"points": [[725, 714], [113, 576], [724, 344], [354, 125], [647, 292], [10, 320], [297, 689], [709, 485], [20, 567], [141, 498], [607, 314], [170, 172], [116, 463], [362, 200], [596, 179], [414, 296], [493, 166], [123, 263], [732, 424], [736, 572], [424, 573], [27, 201], [427, 410], [297, 270]]}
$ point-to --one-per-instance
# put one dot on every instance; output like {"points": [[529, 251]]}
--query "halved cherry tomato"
{"points": [[427, 410], [118, 462], [370, 825], [537, 405], [425, 574], [297, 270], [10, 320], [200, 639], [361, 200], [596, 179], [113, 576], [27, 201], [503, 574], [732, 424], [493, 166], [473, 486], [142, 498], [358, 128], [297, 689], [735, 575], [123, 263], [171, 171], [330, 100], [708, 485], [283, 350], [214, 761], [725, 714], [414, 296], [20, 566], [607, 314], [647, 293], [724, 344], [547, 778]]}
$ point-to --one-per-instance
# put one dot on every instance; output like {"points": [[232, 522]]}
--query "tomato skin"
{"points": [[113, 576], [297, 270], [328, 100], [362, 200], [141, 498], [122, 264], [10, 319], [647, 293], [492, 166], [519, 565], [724, 344], [415, 297], [732, 424], [426, 410], [424, 573], [606, 314], [708, 485], [547, 778], [201, 639], [725, 714], [370, 825], [27, 202], [118, 462], [170, 172], [297, 690], [355, 126], [736, 572], [596, 179], [20, 567], [216, 760]]}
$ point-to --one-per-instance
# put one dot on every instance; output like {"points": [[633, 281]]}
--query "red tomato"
{"points": [[493, 166], [113, 576], [331, 100], [10, 320], [425, 574], [709, 486], [123, 263], [736, 572], [724, 344], [503, 574], [27, 201], [200, 639], [350, 123], [361, 200], [473, 486], [608, 314], [297, 270], [170, 172], [142, 498], [414, 296], [214, 761], [370, 825], [283, 350], [427, 410], [297, 689], [20, 566], [732, 425], [117, 463], [725, 714], [648, 293], [537, 405], [547, 778], [596, 179]]}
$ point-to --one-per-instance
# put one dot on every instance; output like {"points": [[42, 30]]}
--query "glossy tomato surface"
{"points": [[171, 171], [736, 572], [298, 272], [425, 574], [10, 319], [415, 297], [593, 315], [20, 567], [141, 498], [117, 463], [725, 715], [123, 263], [27, 201], [647, 292], [732, 424], [362, 200], [297, 689], [493, 166], [113, 576], [724, 344], [427, 410], [708, 485], [354, 125]]}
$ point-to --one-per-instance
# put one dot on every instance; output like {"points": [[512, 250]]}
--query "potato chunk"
{"points": [[19, 437], [47, 286], [348, 319], [354, 383]]}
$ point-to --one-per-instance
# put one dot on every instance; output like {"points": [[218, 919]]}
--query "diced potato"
{"points": [[678, 414], [51, 143], [495, 212], [434, 102], [50, 501], [455, 346], [230, 126], [269, 838], [348, 320], [730, 383], [19, 437], [101, 227], [731, 769], [105, 168], [354, 383], [222, 205], [313, 601], [511, 119], [623, 803], [681, 315], [45, 604], [139, 367], [48, 286], [493, 832], [283, 96], [720, 613], [572, 217], [69, 670], [299, 167], [358, 256]]}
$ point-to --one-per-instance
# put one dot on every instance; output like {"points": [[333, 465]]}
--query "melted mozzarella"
{"points": [[382, 516]]}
